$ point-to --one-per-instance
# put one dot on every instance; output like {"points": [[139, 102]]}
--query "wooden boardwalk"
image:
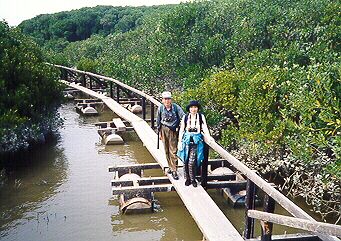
{"points": [[210, 219]]}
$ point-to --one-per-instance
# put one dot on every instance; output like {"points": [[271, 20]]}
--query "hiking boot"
{"points": [[175, 175], [188, 182], [194, 183]]}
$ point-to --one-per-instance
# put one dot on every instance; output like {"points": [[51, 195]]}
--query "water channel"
{"points": [[61, 191]]}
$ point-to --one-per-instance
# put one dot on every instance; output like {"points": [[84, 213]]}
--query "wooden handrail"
{"points": [[286, 203], [304, 224], [148, 97]]}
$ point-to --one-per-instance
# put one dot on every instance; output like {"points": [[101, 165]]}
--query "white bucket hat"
{"points": [[166, 95]]}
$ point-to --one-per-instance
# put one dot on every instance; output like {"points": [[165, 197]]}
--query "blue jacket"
{"points": [[198, 140]]}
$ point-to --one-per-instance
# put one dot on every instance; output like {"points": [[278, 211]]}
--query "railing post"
{"points": [[269, 206], [62, 74], [143, 100], [83, 82], [204, 166], [117, 93], [250, 203], [111, 93], [66, 75], [90, 79], [152, 124]]}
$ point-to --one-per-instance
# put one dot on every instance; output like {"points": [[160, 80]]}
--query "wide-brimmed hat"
{"points": [[193, 103], [166, 95]]}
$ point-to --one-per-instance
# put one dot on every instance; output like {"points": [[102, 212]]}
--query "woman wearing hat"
{"points": [[193, 130]]}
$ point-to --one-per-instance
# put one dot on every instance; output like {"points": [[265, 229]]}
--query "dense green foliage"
{"points": [[266, 71], [28, 90], [57, 30]]}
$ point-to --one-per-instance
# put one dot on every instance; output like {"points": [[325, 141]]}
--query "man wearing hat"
{"points": [[168, 119]]}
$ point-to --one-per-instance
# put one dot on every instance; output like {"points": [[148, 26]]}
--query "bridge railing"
{"points": [[91, 80], [254, 181]]}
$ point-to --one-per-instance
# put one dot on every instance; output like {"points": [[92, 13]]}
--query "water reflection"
{"points": [[133, 149], [66, 191], [171, 222], [32, 178]]}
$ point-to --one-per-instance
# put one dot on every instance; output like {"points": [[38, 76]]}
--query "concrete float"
{"points": [[89, 111], [86, 110], [68, 96], [136, 109], [222, 171], [101, 92], [87, 106], [129, 204], [235, 195], [136, 192], [112, 139], [109, 131]]}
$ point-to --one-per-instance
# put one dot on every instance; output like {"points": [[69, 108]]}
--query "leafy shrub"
{"points": [[28, 90]]}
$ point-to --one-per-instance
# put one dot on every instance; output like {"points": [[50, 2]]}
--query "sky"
{"points": [[15, 11]]}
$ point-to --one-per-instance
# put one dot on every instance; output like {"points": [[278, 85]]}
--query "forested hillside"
{"points": [[267, 73], [57, 30]]}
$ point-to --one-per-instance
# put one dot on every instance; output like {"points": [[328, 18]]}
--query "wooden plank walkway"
{"points": [[119, 124], [210, 219]]}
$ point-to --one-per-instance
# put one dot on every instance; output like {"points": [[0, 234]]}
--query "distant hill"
{"points": [[80, 24]]}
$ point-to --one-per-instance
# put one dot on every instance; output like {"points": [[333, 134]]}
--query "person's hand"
{"points": [[160, 136]]}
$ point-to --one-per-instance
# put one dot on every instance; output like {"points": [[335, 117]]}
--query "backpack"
{"points": [[200, 121]]}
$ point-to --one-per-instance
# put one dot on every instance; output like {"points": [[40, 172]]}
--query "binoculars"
{"points": [[192, 129]]}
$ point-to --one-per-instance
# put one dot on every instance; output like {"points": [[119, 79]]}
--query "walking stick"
{"points": [[158, 139]]}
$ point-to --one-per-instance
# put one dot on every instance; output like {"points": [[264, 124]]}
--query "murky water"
{"points": [[61, 191]]}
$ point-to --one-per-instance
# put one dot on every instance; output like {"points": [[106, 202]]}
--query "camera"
{"points": [[168, 116], [192, 129]]}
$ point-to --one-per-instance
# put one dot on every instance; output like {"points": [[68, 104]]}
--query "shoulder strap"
{"points": [[200, 121], [185, 120], [176, 110], [162, 107]]}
